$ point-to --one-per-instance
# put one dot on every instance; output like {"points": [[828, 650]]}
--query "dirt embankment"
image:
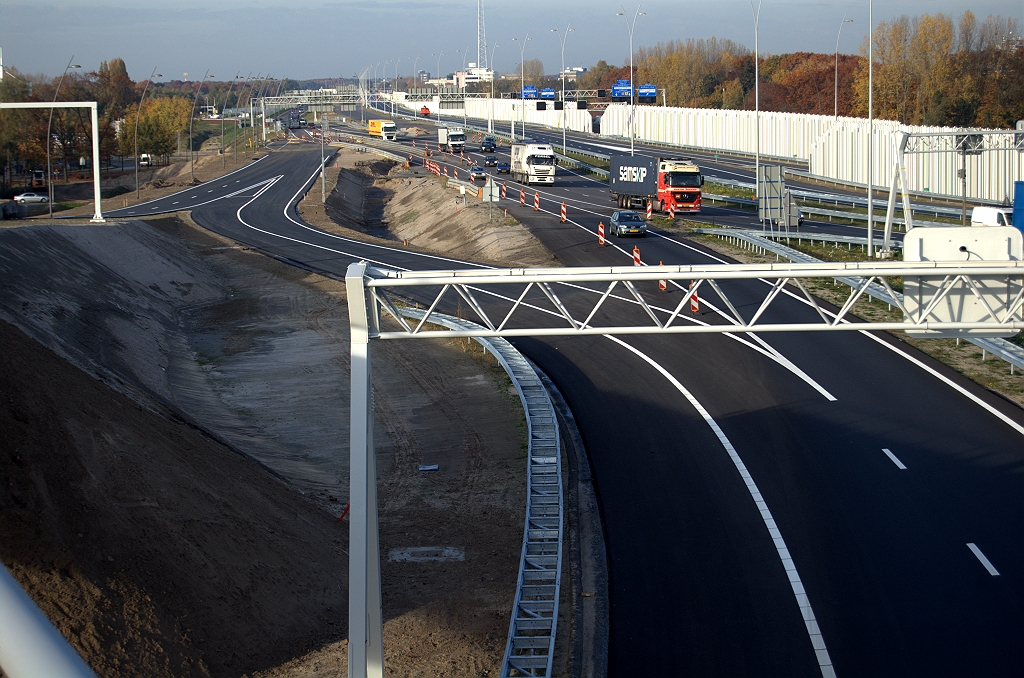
{"points": [[158, 549], [373, 198]]}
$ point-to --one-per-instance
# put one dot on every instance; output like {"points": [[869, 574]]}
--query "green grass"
{"points": [[727, 191], [593, 162]]}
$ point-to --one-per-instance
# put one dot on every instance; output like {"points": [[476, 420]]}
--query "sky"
{"points": [[327, 39]]}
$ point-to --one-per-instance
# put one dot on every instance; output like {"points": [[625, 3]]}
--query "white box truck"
{"points": [[451, 138], [533, 163]]}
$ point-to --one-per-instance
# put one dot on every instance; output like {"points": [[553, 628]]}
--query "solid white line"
{"points": [[984, 561], [899, 464], [813, 632]]}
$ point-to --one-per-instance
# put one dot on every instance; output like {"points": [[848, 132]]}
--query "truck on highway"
{"points": [[533, 163], [636, 180], [451, 138], [385, 129]]}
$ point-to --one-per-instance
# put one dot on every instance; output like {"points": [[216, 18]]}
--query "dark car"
{"points": [[477, 172], [503, 167], [488, 145], [628, 223], [490, 160]]}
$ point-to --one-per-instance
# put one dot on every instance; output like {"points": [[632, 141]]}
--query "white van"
{"points": [[991, 216], [145, 160]]}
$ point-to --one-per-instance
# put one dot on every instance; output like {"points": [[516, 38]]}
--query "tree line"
{"points": [[928, 70], [163, 119]]}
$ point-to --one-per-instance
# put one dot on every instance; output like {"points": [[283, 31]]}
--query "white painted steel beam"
{"points": [[97, 216], [30, 645]]}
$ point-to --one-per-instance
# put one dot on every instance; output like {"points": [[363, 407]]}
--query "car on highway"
{"points": [[628, 222], [503, 167], [490, 160], [488, 145], [26, 198], [476, 172]]}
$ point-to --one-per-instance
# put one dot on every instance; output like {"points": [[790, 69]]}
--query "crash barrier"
{"points": [[530, 645]]}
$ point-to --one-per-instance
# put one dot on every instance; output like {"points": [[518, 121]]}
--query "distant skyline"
{"points": [[339, 39]]}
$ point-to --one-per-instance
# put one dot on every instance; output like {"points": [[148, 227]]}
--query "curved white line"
{"points": [[184, 190], [810, 622]]}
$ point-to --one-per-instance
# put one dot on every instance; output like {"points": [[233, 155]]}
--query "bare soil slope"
{"points": [[158, 550]]}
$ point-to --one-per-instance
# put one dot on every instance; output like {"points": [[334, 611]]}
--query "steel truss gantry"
{"points": [[581, 302], [965, 142]]}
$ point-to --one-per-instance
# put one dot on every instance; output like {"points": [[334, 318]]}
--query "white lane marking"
{"points": [[141, 204], [899, 464], [984, 561], [813, 632], [991, 410], [175, 202]]}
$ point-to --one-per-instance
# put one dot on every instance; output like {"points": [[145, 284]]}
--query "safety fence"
{"points": [[530, 646]]}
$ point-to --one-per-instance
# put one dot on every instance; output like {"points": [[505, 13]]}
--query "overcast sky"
{"points": [[313, 39]]}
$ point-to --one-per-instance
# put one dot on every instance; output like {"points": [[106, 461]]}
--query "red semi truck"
{"points": [[635, 180]]}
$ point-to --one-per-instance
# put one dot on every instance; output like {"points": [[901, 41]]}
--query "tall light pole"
{"points": [[191, 155], [138, 114], [415, 77], [562, 38], [871, 125], [464, 52], [757, 104], [522, 81], [631, 26], [844, 21], [437, 76], [395, 89], [490, 121], [49, 172], [238, 102]]}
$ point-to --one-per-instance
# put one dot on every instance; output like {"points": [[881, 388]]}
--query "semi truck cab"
{"points": [[679, 183]]}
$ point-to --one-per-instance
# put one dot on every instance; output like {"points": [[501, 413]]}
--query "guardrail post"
{"points": [[365, 619]]}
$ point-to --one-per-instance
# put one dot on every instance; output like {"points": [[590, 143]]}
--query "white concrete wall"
{"points": [[507, 109], [834, 148]]}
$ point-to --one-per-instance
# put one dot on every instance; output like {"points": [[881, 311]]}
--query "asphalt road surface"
{"points": [[782, 505]]}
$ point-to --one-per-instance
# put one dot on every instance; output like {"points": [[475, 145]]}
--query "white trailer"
{"points": [[533, 163]]}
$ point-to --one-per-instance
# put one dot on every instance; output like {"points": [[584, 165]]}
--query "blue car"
{"points": [[628, 223], [503, 167]]}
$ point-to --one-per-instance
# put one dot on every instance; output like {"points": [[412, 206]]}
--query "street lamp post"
{"points": [[191, 155], [562, 38], [631, 26], [490, 121], [844, 21], [522, 86], [757, 104], [49, 171], [464, 52], [238, 101], [437, 76], [415, 77], [138, 114], [871, 126], [394, 90]]}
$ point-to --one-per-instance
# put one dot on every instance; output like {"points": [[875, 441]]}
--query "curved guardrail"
{"points": [[530, 647]]}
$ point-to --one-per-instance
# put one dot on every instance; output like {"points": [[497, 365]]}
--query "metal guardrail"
{"points": [[530, 646], [1002, 349]]}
